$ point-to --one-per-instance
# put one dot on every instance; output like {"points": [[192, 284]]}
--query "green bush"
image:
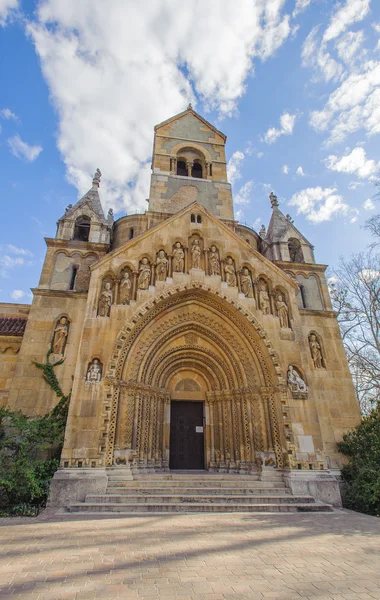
{"points": [[362, 473], [30, 449]]}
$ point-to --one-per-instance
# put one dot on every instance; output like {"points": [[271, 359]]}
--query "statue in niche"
{"points": [[126, 288], [246, 283], [282, 311], [295, 381], [213, 261], [178, 258], [295, 250], [105, 301], [195, 255], [229, 269], [94, 371], [162, 266], [144, 275], [60, 336], [264, 303], [315, 350]]}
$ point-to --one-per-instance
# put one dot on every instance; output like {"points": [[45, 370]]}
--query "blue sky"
{"points": [[294, 84]]}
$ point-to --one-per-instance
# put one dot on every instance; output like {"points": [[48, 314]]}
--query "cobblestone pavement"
{"points": [[208, 557]]}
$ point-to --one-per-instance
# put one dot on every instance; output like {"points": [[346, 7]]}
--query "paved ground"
{"points": [[207, 557]]}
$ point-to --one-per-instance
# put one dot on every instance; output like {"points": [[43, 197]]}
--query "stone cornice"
{"points": [[76, 244], [293, 266], [59, 293], [306, 312]]}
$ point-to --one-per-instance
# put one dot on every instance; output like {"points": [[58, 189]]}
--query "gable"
{"points": [[181, 228], [190, 125]]}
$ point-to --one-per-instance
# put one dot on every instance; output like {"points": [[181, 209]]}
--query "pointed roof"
{"points": [[91, 198], [191, 111], [280, 224]]}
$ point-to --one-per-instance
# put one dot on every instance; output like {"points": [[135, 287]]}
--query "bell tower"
{"points": [[189, 164]]}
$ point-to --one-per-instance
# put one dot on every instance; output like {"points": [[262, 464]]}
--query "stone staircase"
{"points": [[195, 492]]}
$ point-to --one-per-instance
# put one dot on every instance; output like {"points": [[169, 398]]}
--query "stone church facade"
{"points": [[189, 340]]}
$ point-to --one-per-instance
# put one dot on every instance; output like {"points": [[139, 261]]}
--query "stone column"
{"points": [[134, 285], [206, 170], [112, 426], [206, 261], [186, 251], [116, 293], [189, 165]]}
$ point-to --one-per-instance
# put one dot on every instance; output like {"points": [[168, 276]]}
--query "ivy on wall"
{"points": [[30, 448]]}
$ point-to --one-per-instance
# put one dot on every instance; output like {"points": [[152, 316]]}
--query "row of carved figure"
{"points": [[148, 274]]}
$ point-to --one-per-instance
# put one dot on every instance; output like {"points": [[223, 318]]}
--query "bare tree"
{"points": [[355, 292]]}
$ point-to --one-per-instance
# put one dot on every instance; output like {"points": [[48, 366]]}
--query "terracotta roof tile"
{"points": [[12, 325]]}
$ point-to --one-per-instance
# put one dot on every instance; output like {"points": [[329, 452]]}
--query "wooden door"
{"points": [[186, 435]]}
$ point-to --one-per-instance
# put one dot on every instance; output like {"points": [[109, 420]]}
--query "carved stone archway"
{"points": [[198, 330]]}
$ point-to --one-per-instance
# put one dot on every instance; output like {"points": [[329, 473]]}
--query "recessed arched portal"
{"points": [[195, 334]]}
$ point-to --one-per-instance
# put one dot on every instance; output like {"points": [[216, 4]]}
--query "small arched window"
{"points": [[131, 233], [181, 168], [74, 272], [199, 219], [295, 250], [82, 228], [303, 296], [196, 171], [192, 218]]}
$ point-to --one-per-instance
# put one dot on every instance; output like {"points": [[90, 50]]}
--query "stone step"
{"points": [[196, 475], [252, 484], [217, 491], [192, 507], [201, 499]]}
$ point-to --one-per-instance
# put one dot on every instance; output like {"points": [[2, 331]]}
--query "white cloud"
{"points": [[354, 162], [316, 56], [234, 166], [285, 169], [300, 6], [319, 204], [244, 194], [348, 46], [22, 149], [355, 104], [114, 74], [7, 8], [17, 294], [12, 257], [369, 204], [353, 185], [6, 113], [351, 12], [300, 172], [260, 154], [287, 122]]}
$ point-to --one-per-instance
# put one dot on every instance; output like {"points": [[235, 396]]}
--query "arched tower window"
{"points": [[295, 250], [181, 167], [82, 228], [197, 170], [192, 218], [131, 233]]}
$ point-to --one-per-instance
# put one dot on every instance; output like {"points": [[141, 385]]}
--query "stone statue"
{"points": [[162, 266], [213, 261], [315, 350], [68, 208], [295, 382], [60, 336], [295, 251], [94, 372], [144, 275], [246, 283], [105, 301], [229, 269], [126, 288], [264, 303], [178, 258], [195, 255], [289, 218], [97, 176], [282, 311], [263, 231]]}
